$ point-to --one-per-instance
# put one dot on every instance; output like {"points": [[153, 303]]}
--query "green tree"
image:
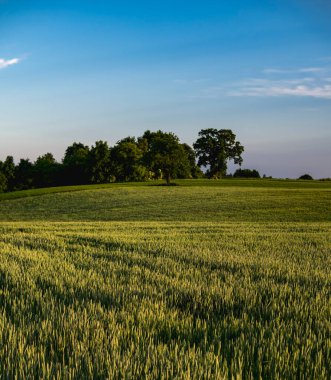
{"points": [[24, 175], [126, 158], [306, 176], [45, 171], [75, 164], [99, 163], [165, 154], [8, 169], [214, 148], [246, 173]]}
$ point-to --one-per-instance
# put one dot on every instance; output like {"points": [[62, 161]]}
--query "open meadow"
{"points": [[210, 279]]}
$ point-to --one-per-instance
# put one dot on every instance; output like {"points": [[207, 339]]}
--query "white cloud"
{"points": [[316, 89], [313, 82], [312, 70], [301, 82], [316, 92], [294, 71], [275, 71], [9, 62]]}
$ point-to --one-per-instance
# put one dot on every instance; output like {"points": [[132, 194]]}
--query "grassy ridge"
{"points": [[269, 183], [187, 282], [187, 203]]}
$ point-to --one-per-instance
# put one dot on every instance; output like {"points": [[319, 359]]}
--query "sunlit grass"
{"points": [[190, 203], [163, 283], [228, 182]]}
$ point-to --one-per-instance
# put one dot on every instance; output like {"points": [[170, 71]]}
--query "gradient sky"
{"points": [[103, 70]]}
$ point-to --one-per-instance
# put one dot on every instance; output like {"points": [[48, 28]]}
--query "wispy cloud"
{"points": [[276, 71], [294, 82], [294, 71], [313, 82], [9, 62], [312, 70], [279, 89]]}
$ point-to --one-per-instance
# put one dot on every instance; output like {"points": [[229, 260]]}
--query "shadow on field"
{"points": [[166, 184]]}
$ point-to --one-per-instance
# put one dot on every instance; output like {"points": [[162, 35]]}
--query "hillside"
{"points": [[206, 280], [192, 200]]}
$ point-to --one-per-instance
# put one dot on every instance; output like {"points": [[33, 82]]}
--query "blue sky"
{"points": [[90, 70]]}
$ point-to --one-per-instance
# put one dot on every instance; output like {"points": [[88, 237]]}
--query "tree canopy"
{"points": [[306, 176], [126, 159], [246, 173], [165, 154], [154, 155], [98, 163], [75, 162], [214, 148]]}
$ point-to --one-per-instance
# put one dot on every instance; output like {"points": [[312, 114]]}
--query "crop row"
{"points": [[156, 300]]}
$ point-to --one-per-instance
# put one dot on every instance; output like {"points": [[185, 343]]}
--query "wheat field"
{"points": [[187, 282]]}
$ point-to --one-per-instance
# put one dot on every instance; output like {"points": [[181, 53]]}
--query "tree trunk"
{"points": [[168, 178]]}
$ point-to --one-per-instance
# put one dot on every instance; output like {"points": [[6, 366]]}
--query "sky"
{"points": [[103, 70]]}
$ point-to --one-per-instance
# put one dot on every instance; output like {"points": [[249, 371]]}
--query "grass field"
{"points": [[206, 280]]}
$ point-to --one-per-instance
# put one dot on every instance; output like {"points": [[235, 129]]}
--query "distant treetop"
{"points": [[306, 176]]}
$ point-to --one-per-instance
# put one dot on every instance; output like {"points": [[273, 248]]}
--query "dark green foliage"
{"points": [[214, 148], [75, 164], [45, 171], [155, 155], [24, 175], [8, 169], [246, 173], [126, 160], [98, 164], [165, 154], [306, 176]]}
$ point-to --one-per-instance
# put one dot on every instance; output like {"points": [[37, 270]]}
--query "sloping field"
{"points": [[219, 201], [186, 282]]}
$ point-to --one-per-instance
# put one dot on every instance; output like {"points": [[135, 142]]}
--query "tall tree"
{"points": [[126, 159], [99, 163], [75, 164], [165, 154], [214, 148], [45, 171], [24, 174], [8, 169]]}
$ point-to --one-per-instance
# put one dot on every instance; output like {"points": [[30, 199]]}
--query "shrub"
{"points": [[306, 176], [246, 173]]}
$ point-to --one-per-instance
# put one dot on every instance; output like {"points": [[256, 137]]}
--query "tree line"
{"points": [[154, 155]]}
